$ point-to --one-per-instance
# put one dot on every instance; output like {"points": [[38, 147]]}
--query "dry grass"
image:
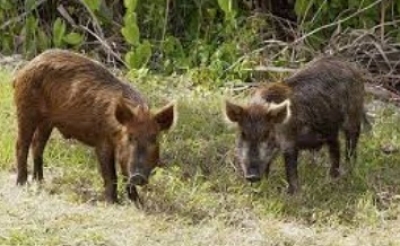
{"points": [[31, 217], [199, 199]]}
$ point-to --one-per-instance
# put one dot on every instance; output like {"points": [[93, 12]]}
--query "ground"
{"points": [[199, 198], [29, 217]]}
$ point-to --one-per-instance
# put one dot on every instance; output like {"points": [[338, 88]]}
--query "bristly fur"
{"points": [[274, 92], [83, 100], [305, 111]]}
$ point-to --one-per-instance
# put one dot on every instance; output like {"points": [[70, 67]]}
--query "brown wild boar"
{"points": [[305, 111], [79, 97]]}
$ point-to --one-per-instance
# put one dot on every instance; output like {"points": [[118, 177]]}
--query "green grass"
{"points": [[199, 198]]}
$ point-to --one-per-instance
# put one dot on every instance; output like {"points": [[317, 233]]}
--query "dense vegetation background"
{"points": [[216, 40]]}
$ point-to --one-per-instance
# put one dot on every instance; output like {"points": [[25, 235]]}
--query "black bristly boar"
{"points": [[83, 100], [305, 111]]}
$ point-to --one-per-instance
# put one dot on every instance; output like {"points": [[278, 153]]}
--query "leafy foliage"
{"points": [[371, 13], [165, 36], [214, 40]]}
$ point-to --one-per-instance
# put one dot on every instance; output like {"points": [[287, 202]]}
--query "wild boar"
{"points": [[305, 111], [84, 101]]}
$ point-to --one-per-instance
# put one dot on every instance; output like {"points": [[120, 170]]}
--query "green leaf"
{"points": [[5, 4], [30, 5], [143, 51], [130, 59], [43, 40], [212, 12], [398, 7], [130, 5], [129, 18], [73, 38], [172, 47], [140, 56], [300, 7], [6, 44], [131, 33], [225, 5], [59, 28], [93, 4], [31, 24]]}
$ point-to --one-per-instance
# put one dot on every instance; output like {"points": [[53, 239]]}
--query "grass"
{"points": [[199, 198]]}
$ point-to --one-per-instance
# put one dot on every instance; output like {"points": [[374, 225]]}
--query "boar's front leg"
{"points": [[131, 190], [334, 154], [105, 155], [290, 156]]}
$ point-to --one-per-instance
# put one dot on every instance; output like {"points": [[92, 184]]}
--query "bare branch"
{"points": [[271, 69], [337, 22], [105, 45]]}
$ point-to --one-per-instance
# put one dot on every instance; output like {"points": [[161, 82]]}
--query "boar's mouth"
{"points": [[253, 174], [253, 178], [138, 179]]}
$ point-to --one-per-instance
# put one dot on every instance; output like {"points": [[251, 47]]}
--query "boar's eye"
{"points": [[243, 134], [152, 138], [132, 138], [265, 135]]}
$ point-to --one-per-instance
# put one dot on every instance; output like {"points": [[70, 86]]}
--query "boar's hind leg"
{"points": [[105, 155], [334, 154], [291, 170], [40, 138], [352, 134], [27, 123]]}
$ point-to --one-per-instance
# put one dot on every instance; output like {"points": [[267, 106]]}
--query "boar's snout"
{"points": [[253, 175], [138, 179]]}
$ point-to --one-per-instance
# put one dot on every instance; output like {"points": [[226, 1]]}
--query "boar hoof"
{"points": [[292, 190], [111, 197], [253, 178], [21, 179], [335, 173], [111, 200]]}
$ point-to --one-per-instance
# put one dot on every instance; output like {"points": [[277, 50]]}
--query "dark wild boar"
{"points": [[79, 97], [305, 111]]}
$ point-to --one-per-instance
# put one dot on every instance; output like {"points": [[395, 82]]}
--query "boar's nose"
{"points": [[253, 178], [253, 175], [138, 179]]}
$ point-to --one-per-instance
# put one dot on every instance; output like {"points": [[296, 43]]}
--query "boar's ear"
{"points": [[281, 112], [124, 112], [166, 116], [233, 112]]}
